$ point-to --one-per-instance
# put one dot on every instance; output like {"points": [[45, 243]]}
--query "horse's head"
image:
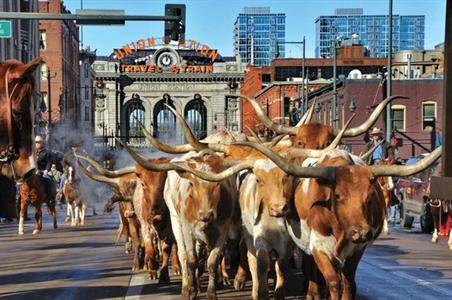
{"points": [[17, 115]]}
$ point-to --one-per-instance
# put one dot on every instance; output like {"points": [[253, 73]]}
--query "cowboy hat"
{"points": [[39, 139], [376, 131]]}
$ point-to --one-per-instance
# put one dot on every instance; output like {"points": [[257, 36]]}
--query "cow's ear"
{"points": [[25, 69]]}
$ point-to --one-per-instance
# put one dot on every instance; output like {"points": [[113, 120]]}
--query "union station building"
{"points": [[135, 84]]}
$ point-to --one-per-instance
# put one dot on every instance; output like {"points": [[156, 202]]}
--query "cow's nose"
{"points": [[205, 215], [279, 210], [360, 234]]}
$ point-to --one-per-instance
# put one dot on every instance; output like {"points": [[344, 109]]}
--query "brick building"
{"points": [[414, 118], [59, 47], [282, 81]]}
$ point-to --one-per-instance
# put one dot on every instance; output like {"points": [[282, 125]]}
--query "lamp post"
{"points": [[389, 78], [49, 108]]}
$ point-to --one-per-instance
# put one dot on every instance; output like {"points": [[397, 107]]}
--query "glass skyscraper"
{"points": [[371, 30], [256, 33]]}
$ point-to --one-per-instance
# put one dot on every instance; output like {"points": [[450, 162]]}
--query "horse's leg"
{"points": [[54, 215], [436, 211], [23, 209], [82, 214], [38, 216], [76, 214], [68, 209]]}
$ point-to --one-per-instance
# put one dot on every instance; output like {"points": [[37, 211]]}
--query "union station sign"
{"points": [[165, 58]]}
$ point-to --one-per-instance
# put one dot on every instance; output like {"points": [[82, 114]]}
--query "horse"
{"points": [[387, 187], [36, 190], [439, 208], [17, 155], [71, 192]]}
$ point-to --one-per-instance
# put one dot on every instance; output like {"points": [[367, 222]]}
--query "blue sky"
{"points": [[211, 21]]}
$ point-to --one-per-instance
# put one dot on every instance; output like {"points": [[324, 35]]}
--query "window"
{"points": [[428, 115], [398, 117], [42, 39], [86, 69], [86, 113], [86, 92], [43, 73], [45, 102]]}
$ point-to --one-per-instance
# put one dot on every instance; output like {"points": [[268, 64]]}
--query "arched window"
{"points": [[165, 127], [135, 113], [196, 117]]}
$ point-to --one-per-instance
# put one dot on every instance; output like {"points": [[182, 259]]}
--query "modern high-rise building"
{"points": [[259, 35], [370, 31]]}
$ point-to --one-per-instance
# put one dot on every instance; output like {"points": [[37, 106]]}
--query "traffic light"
{"points": [[175, 30]]}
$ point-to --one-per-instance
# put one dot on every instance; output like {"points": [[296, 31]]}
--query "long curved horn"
{"points": [[256, 137], [187, 131], [327, 173], [367, 154], [279, 129], [95, 177], [105, 172], [372, 119], [216, 177], [306, 119], [179, 149], [394, 170], [231, 135], [146, 164]]}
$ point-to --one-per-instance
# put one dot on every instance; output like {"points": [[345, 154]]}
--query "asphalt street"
{"points": [[84, 263]]}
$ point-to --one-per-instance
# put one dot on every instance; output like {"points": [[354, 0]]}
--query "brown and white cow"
{"points": [[124, 189], [71, 192], [203, 214], [340, 211], [145, 189]]}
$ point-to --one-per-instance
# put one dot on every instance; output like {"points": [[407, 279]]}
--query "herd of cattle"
{"points": [[256, 201]]}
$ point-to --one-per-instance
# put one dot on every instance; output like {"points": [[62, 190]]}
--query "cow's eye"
{"points": [[337, 196]]}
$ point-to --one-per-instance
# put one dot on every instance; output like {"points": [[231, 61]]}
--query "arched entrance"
{"points": [[165, 125], [135, 113], [196, 116]]}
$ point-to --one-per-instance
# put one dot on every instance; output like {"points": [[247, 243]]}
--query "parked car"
{"points": [[413, 194]]}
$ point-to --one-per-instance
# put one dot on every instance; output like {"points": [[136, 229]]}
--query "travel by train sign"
{"points": [[165, 61]]}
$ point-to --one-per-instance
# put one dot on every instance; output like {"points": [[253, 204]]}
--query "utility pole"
{"points": [[49, 109], [389, 78], [334, 104], [305, 96]]}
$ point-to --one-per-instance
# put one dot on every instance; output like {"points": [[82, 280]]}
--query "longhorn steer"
{"points": [[145, 189], [202, 214], [71, 191], [340, 211]]}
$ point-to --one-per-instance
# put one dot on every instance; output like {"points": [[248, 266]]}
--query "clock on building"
{"points": [[166, 60]]}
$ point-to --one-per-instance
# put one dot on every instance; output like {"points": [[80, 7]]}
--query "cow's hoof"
{"points": [[239, 284], [450, 246], [279, 293], [36, 231], [55, 226], [20, 233], [226, 281], [135, 267], [67, 219], [435, 240], [176, 270], [153, 275], [211, 295], [386, 231], [164, 278]]}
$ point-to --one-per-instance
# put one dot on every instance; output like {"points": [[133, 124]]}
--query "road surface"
{"points": [[83, 263]]}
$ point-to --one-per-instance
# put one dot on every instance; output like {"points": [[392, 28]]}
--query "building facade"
{"points": [[370, 30], [60, 75], [138, 88], [23, 45], [87, 77], [259, 35]]}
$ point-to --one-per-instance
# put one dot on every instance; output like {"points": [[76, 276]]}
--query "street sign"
{"points": [[5, 29]]}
